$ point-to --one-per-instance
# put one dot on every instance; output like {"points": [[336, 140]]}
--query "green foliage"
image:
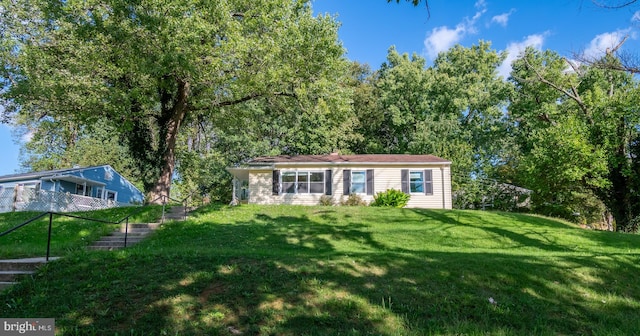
{"points": [[391, 198], [153, 69], [326, 200], [258, 269], [453, 110], [577, 133], [353, 200]]}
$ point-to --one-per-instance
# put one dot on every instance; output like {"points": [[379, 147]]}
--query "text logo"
{"points": [[27, 327]]}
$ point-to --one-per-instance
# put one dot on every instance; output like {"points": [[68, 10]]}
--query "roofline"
{"points": [[351, 163]]}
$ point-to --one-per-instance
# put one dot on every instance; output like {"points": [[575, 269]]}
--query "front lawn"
{"points": [[288, 270]]}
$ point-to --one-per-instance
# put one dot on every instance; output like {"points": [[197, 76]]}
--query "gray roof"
{"points": [[357, 158], [43, 173]]}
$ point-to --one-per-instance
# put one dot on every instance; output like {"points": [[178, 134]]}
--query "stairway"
{"points": [[136, 232], [13, 269], [116, 240]]}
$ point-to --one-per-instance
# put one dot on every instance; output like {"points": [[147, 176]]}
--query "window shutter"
{"points": [[276, 183], [328, 181], [428, 182], [369, 181], [404, 180], [346, 181]]}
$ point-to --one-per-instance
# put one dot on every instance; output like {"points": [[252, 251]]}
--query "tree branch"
{"points": [[573, 94]]}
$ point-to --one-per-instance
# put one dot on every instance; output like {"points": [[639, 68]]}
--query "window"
{"points": [[289, 182], [316, 182], [416, 182], [83, 190], [292, 182], [303, 182], [111, 195], [358, 182]]}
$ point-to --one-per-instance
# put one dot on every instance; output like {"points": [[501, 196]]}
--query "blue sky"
{"points": [[370, 27]]}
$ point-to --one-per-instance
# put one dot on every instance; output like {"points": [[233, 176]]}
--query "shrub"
{"points": [[391, 198], [353, 200], [326, 200]]}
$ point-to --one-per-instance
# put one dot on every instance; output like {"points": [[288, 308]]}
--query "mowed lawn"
{"points": [[289, 270]]}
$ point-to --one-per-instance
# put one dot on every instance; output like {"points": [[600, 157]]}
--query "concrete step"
{"points": [[135, 230], [130, 237], [10, 276], [13, 269], [26, 264], [114, 241], [106, 248], [6, 284]]}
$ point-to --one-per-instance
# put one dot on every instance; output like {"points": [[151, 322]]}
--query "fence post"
{"points": [[49, 235], [186, 204], [14, 206], [126, 231], [164, 202]]}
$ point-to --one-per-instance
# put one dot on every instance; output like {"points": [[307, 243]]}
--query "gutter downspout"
{"points": [[444, 198]]}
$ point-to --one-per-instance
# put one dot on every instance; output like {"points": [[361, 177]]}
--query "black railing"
{"points": [[164, 198], [184, 202], [51, 213]]}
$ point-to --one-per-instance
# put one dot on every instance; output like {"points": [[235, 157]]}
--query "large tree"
{"points": [[453, 109], [147, 66], [578, 132]]}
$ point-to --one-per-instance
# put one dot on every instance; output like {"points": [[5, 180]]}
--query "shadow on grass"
{"points": [[283, 275]]}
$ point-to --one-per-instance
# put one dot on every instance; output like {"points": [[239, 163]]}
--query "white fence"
{"points": [[40, 200]]}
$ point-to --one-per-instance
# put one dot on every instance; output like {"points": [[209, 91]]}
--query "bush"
{"points": [[326, 200], [391, 198], [353, 200]]}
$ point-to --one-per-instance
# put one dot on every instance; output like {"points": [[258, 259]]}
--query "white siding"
{"points": [[385, 177]]}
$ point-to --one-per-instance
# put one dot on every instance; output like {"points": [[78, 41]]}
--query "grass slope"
{"points": [[287, 270]]}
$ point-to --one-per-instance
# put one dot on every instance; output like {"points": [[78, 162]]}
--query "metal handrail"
{"points": [[126, 218], [51, 213]]}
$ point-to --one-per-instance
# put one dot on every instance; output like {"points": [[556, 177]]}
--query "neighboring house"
{"points": [[73, 189], [304, 179]]}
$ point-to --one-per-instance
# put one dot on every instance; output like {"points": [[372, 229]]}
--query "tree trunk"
{"points": [[170, 126]]}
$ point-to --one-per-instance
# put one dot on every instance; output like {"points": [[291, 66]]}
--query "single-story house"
{"points": [[84, 184], [304, 179]]}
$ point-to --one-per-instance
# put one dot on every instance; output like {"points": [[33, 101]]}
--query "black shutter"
{"points": [[428, 182], [369, 181], [404, 180], [346, 181], [327, 182], [276, 183]]}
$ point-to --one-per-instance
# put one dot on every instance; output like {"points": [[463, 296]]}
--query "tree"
{"points": [[578, 132], [149, 66], [54, 144], [453, 109]]}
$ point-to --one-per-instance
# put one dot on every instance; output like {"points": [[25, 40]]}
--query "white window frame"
{"points": [[298, 186], [107, 192], [86, 189], [364, 182], [418, 184]]}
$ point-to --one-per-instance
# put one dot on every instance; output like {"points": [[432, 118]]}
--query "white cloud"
{"points": [[514, 50], [636, 16], [601, 43], [442, 38], [502, 19]]}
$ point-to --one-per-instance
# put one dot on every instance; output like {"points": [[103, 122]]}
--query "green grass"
{"points": [[287, 270], [67, 234]]}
